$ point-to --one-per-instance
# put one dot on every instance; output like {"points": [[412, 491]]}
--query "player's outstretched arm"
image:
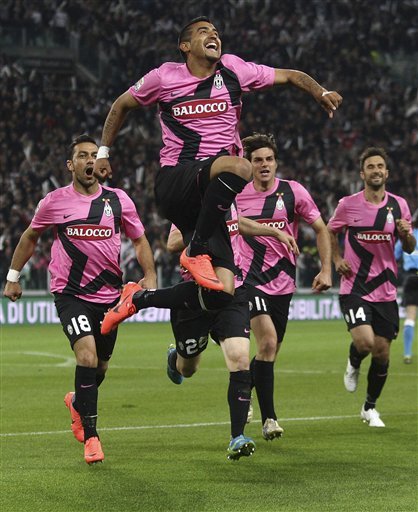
{"points": [[329, 100], [23, 252], [114, 121], [249, 227]]}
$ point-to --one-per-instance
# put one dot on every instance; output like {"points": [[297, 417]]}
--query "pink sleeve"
{"points": [[305, 205], [251, 76], [147, 90], [44, 215], [339, 220], [131, 223]]}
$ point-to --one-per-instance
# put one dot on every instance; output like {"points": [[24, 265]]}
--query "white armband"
{"points": [[103, 152], [13, 276]]}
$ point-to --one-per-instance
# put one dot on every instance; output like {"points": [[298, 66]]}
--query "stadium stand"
{"points": [[63, 62]]}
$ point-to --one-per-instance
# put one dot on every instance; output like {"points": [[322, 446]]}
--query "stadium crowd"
{"points": [[355, 47]]}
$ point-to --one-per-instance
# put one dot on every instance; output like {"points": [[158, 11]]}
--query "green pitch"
{"points": [[165, 445]]}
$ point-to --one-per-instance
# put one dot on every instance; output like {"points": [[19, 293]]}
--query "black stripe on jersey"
{"points": [[231, 83], [98, 205], [256, 276], [270, 202], [191, 139], [79, 259], [360, 286]]}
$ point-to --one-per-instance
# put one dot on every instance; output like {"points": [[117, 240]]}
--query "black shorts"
{"points": [[275, 306], [383, 317], [192, 328], [80, 318], [410, 290], [178, 192]]}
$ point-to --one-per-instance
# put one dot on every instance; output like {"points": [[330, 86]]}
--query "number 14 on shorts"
{"points": [[355, 316]]}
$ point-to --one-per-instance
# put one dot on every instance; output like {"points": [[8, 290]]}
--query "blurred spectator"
{"points": [[359, 51]]}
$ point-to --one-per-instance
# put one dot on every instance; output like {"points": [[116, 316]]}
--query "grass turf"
{"points": [[165, 445]]}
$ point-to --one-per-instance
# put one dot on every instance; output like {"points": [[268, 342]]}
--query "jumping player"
{"points": [[202, 169], [85, 275], [372, 220]]}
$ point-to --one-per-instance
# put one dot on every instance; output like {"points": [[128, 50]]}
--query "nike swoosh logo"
{"points": [[246, 331], [69, 215], [116, 308], [244, 399], [222, 208], [89, 386]]}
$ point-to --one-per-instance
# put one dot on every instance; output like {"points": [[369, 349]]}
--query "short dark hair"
{"points": [[373, 151], [258, 141], [79, 140], [186, 31]]}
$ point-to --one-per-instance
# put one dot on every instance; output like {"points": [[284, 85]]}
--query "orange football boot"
{"points": [[201, 269], [123, 309], [76, 424], [93, 450]]}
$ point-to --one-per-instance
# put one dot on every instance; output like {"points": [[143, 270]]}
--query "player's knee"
{"points": [[87, 359], [188, 372], [243, 169], [187, 367], [212, 300], [267, 348], [364, 345], [241, 361]]}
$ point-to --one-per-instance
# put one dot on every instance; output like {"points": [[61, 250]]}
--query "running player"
{"points": [[372, 220], [269, 267], [85, 275], [229, 327], [201, 165]]}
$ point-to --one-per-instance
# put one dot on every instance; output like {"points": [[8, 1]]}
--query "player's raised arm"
{"points": [[329, 100], [114, 120]]}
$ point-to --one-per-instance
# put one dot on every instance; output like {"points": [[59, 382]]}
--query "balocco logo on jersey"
{"points": [[374, 237], [88, 232], [232, 226], [278, 224], [196, 109]]}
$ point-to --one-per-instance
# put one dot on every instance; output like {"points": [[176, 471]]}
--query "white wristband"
{"points": [[103, 152], [13, 276]]}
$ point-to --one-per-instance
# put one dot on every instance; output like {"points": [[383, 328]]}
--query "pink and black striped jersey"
{"points": [[370, 236], [199, 116], [85, 253], [266, 262]]}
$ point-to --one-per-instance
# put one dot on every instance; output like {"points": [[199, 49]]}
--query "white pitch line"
{"points": [[196, 425]]}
